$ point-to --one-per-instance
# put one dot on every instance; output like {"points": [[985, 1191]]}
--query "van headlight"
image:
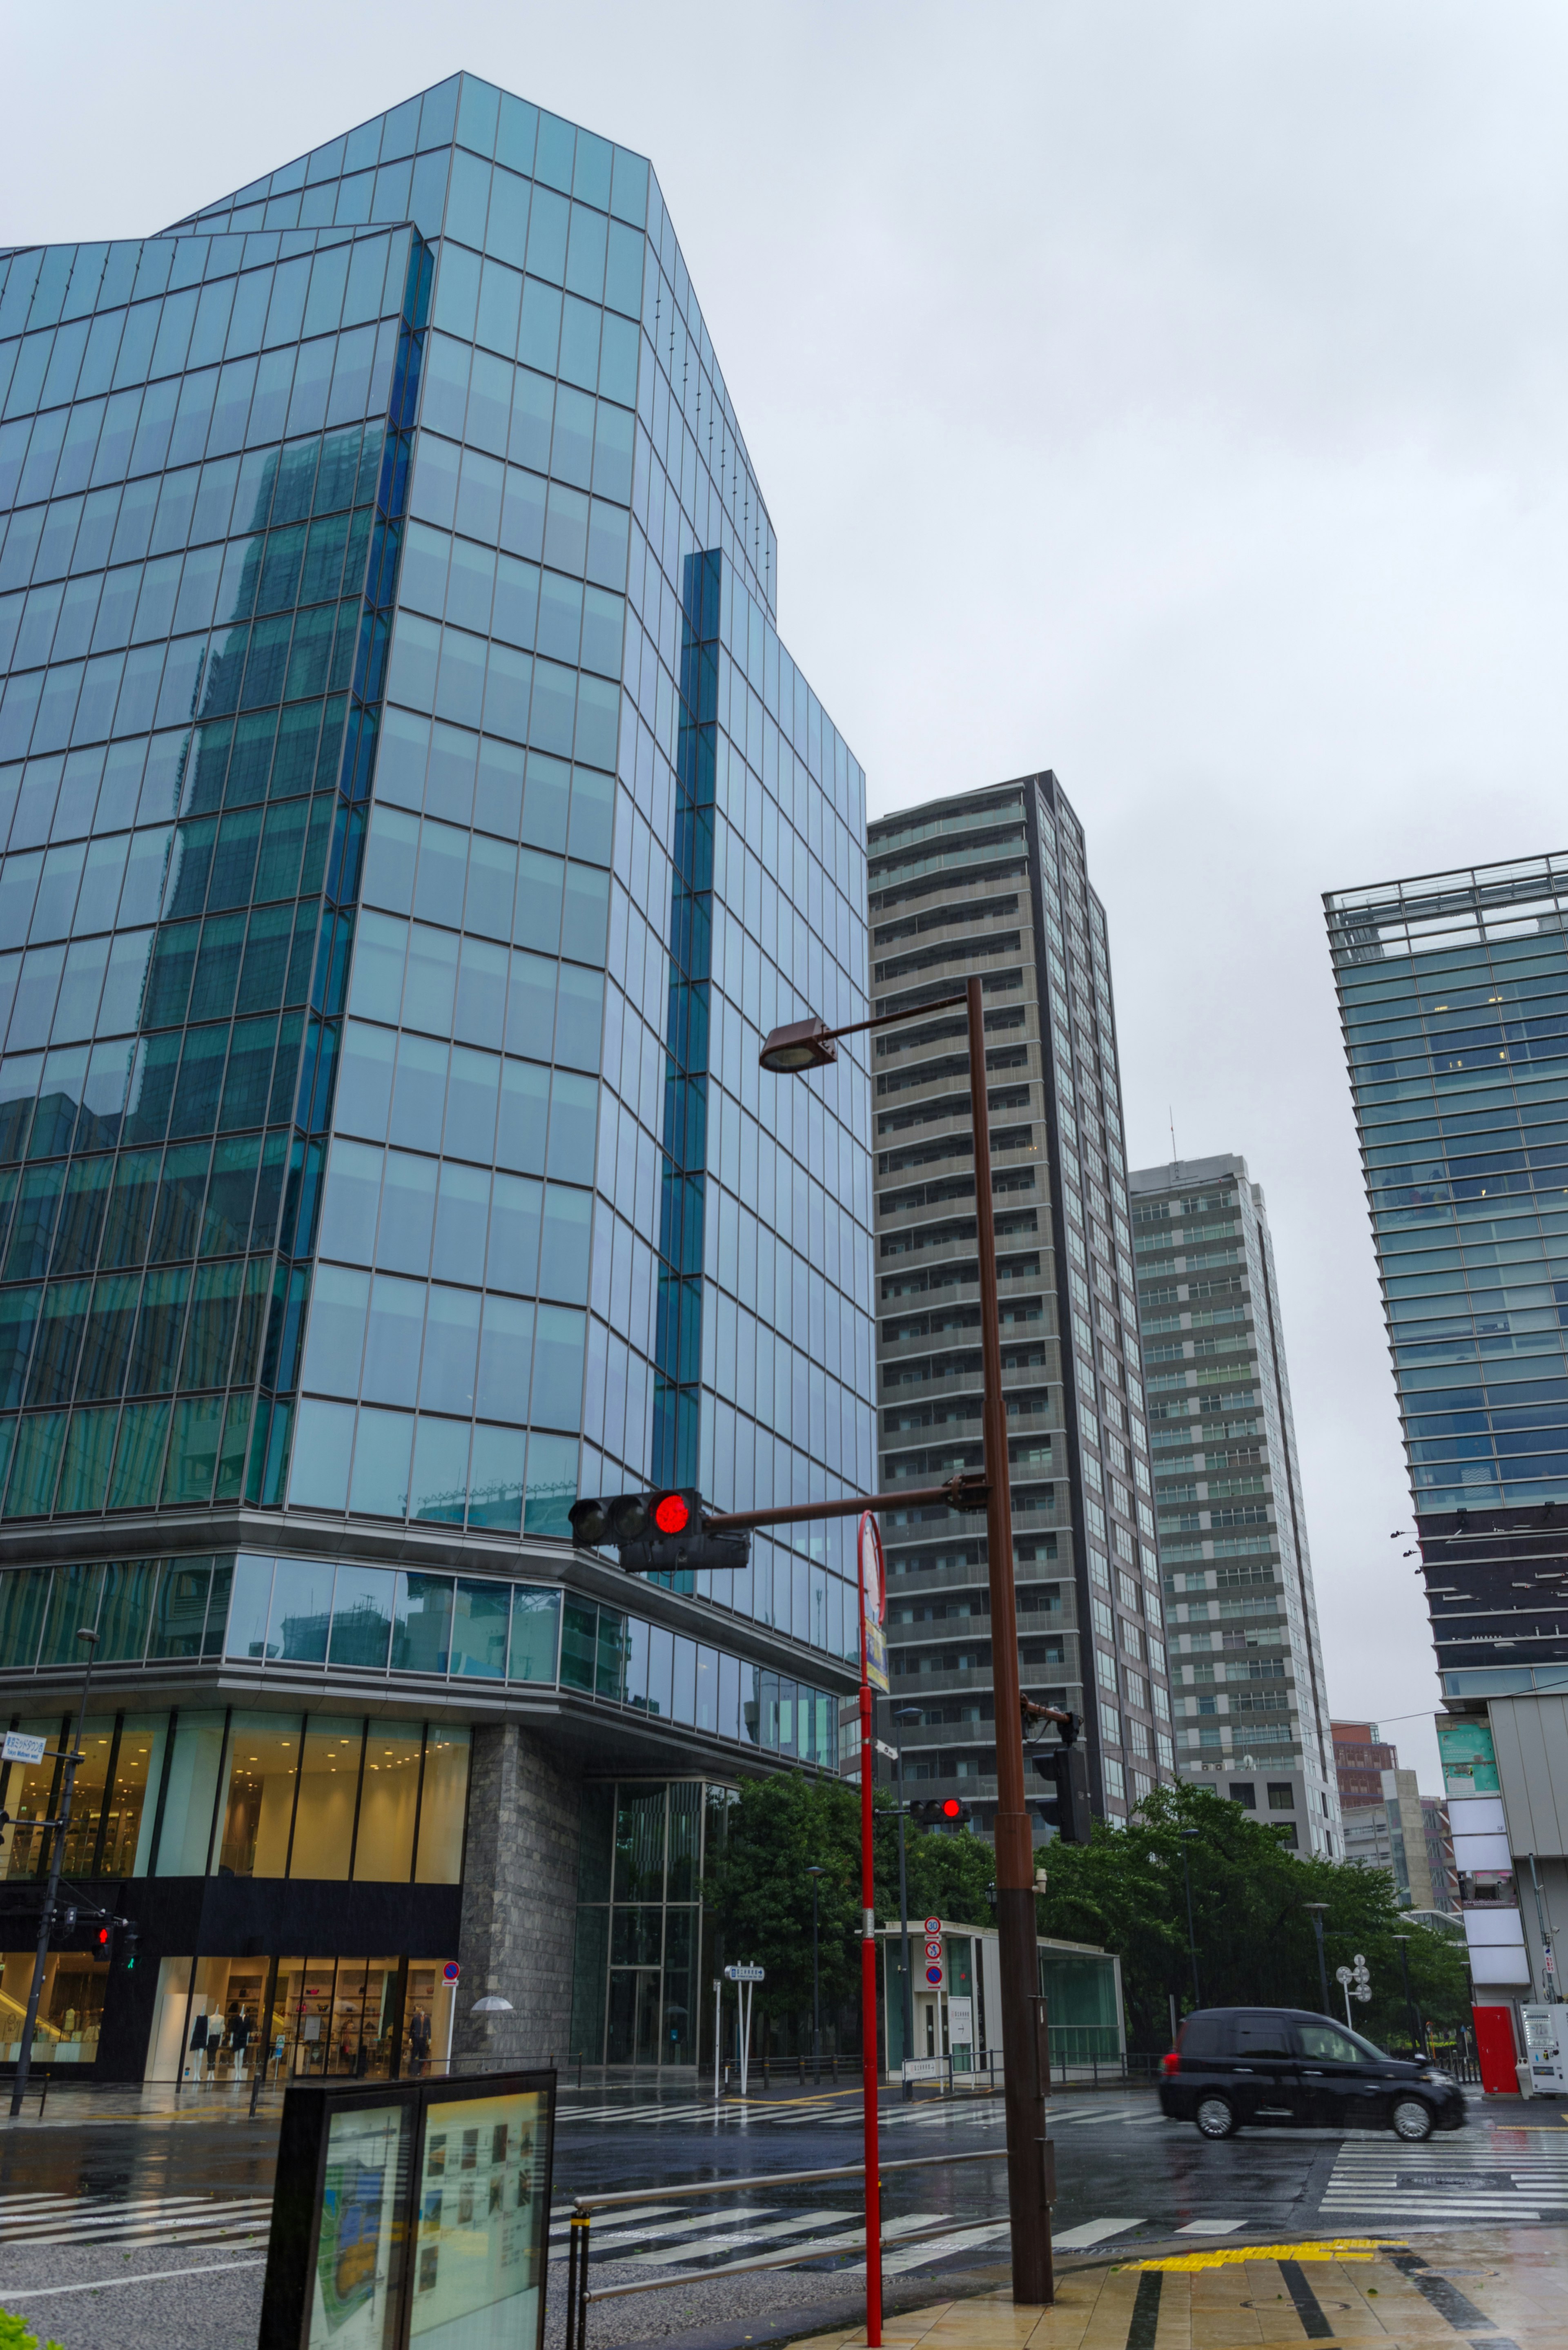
{"points": [[1444, 2080]]}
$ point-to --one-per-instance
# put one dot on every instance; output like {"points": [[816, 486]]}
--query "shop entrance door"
{"points": [[634, 2037]]}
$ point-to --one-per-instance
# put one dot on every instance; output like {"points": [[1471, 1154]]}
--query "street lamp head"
{"points": [[1189, 1835], [798, 1046], [908, 1713], [1314, 1905], [816, 1871]]}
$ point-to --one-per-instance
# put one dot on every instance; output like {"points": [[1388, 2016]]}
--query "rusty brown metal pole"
{"points": [[1024, 2091], [958, 1494]]}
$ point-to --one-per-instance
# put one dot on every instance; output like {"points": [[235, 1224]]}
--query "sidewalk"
{"points": [[1484, 2289]]}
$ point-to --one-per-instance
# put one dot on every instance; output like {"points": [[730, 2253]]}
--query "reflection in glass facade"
{"points": [[415, 822], [411, 823], [1453, 992]]}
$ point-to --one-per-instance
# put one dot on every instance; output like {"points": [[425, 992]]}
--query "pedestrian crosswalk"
{"points": [[50, 2219], [1446, 2181], [841, 2113], [652, 2237]]}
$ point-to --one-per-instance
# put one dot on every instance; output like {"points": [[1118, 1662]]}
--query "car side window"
{"points": [[1202, 2036], [1260, 2035], [1324, 2045]]}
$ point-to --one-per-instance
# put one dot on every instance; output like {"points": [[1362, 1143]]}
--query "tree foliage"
{"points": [[758, 1890], [1123, 1890]]}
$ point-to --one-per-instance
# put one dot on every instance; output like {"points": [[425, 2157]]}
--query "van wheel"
{"points": [[1412, 2120], [1215, 2118]]}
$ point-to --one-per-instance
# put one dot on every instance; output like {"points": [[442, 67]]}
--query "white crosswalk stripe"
{"points": [[756, 2229], [52, 2219], [1441, 2182]]}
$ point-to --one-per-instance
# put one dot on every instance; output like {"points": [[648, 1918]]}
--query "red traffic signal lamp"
{"points": [[656, 1532], [946, 1812]]}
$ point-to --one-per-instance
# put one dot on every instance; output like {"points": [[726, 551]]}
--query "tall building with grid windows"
{"points": [[1453, 994], [995, 881], [1247, 1677], [412, 822]]}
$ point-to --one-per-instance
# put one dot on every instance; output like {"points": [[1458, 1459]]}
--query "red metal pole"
{"points": [[870, 2068]]}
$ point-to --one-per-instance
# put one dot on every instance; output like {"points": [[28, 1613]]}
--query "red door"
{"points": [[1496, 2051]]}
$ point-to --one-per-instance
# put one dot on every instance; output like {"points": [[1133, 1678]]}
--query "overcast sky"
{"points": [[1170, 396]]}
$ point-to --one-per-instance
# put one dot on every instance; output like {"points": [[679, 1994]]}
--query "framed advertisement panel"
{"points": [[413, 2213]]}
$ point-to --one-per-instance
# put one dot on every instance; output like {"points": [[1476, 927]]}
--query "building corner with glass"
{"points": [[1248, 1680], [1453, 994], [993, 882], [412, 823]]}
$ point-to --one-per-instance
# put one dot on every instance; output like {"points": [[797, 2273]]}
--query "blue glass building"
{"points": [[411, 823], [1454, 993]]}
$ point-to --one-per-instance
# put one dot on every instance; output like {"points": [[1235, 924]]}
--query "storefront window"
{"points": [[131, 1807], [442, 1808], [389, 1803], [258, 1801], [70, 2011], [187, 1829], [640, 1864], [26, 1792], [329, 1788], [97, 1750]]}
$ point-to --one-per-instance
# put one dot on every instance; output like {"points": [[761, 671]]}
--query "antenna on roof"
{"points": [[1171, 1113]]}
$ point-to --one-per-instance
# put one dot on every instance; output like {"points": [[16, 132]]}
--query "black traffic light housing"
{"points": [[129, 1934], [944, 1811], [661, 1531], [1066, 1808]]}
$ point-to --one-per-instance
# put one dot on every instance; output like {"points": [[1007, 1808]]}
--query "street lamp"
{"points": [[1418, 2037], [905, 1716], [1317, 1909], [816, 1876], [799, 1046], [61, 1827], [1189, 1835]]}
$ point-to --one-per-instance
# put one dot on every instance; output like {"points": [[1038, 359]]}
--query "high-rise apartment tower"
{"points": [[1247, 1677], [412, 822], [994, 882]]}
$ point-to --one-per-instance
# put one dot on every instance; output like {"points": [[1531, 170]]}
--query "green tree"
{"points": [[1123, 1890], [758, 1888]]}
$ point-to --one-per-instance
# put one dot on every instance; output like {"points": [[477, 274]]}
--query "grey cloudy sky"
{"points": [[1172, 396]]}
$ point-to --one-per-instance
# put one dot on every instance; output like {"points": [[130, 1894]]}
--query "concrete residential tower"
{"points": [[995, 881], [411, 823], [1247, 1677]]}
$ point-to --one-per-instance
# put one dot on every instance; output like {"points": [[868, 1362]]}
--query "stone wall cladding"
{"points": [[519, 1899]]}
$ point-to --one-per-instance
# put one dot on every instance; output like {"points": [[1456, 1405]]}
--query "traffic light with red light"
{"points": [[656, 1533], [947, 1812]]}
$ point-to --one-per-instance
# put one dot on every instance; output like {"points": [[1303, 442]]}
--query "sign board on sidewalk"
{"points": [[924, 2068], [412, 2211], [745, 1975], [20, 1748], [960, 2022]]}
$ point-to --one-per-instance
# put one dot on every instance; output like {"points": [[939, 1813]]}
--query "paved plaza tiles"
{"points": [[1486, 2289]]}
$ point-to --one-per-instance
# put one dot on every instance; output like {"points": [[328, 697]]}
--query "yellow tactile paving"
{"points": [[1235, 2297]]}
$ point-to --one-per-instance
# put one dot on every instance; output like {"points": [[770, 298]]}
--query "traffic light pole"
{"points": [[870, 2068], [794, 1049], [56, 1862]]}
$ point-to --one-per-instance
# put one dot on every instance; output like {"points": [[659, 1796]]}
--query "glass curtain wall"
{"points": [[200, 474], [639, 1974]]}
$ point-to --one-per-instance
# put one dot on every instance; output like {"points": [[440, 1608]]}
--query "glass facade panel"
{"points": [[328, 1792], [389, 1803], [443, 1803], [263, 1775]]}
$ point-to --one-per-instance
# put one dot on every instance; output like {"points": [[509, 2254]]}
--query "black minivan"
{"points": [[1234, 2067]]}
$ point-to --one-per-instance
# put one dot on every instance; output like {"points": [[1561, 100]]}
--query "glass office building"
{"points": [[1453, 993], [995, 882], [411, 822]]}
